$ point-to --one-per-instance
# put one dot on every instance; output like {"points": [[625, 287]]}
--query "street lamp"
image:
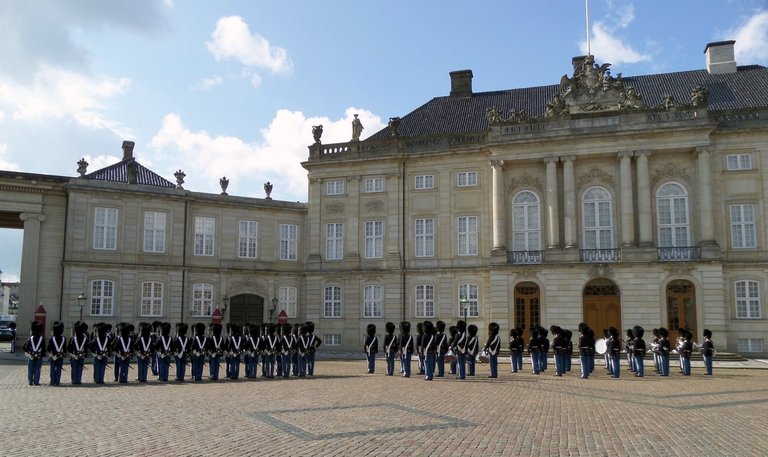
{"points": [[275, 301], [465, 305], [224, 303], [81, 301]]}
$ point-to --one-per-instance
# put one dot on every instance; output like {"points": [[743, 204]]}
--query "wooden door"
{"points": [[602, 306], [681, 308], [527, 308], [246, 308]]}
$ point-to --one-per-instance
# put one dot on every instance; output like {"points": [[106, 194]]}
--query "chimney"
{"points": [[461, 83], [128, 149], [720, 58]]}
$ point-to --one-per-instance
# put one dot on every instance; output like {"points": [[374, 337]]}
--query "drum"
{"points": [[482, 357], [450, 357], [601, 346]]}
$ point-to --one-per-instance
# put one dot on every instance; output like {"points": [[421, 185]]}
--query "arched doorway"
{"points": [[681, 307], [527, 307], [602, 305], [246, 308]]}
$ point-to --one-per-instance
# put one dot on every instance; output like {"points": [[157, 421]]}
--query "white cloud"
{"points": [[232, 40], [751, 39], [2, 116], [101, 161], [5, 164], [208, 83], [605, 42], [276, 158]]}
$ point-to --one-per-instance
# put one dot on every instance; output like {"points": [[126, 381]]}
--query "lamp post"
{"points": [[275, 301], [465, 306], [81, 301], [224, 303]]}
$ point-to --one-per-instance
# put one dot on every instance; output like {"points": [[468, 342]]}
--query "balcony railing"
{"points": [[679, 254], [525, 257], [600, 255]]}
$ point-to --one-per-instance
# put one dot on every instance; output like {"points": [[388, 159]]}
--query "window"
{"points": [[334, 241], [102, 297], [466, 178], [597, 225], [749, 345], [526, 222], [373, 185], [205, 228], [332, 303], [154, 231], [289, 239], [374, 239], [287, 301], [425, 182], [672, 214], [372, 304], [105, 229], [467, 235], [425, 237], [738, 162], [748, 300], [425, 300], [334, 187], [743, 226], [151, 299], [469, 293], [249, 234], [202, 300], [333, 339]]}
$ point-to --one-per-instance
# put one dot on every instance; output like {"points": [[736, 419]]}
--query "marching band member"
{"points": [[460, 348], [198, 351], [472, 349], [679, 347], [638, 346], [57, 350], [429, 347], [295, 333], [123, 349], [442, 348], [34, 348], [655, 351], [78, 350], [515, 351], [629, 346], [558, 344], [390, 347], [314, 343], [492, 346], [252, 342], [235, 349], [586, 349], [180, 348], [215, 348], [144, 347], [228, 355], [303, 347], [371, 347], [544, 345], [262, 349], [708, 350], [568, 335], [686, 352], [271, 347], [614, 348], [664, 348], [156, 332], [112, 339], [406, 348], [534, 350], [100, 348], [288, 348], [164, 351], [420, 347], [452, 332]]}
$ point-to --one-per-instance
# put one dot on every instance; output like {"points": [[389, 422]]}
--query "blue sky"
{"points": [[232, 88]]}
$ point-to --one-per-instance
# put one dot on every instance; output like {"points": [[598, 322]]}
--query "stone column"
{"points": [[569, 200], [497, 198], [644, 198], [29, 271], [625, 195], [705, 195], [553, 216]]}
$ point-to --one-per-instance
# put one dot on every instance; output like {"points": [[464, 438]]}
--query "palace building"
{"points": [[613, 200]]}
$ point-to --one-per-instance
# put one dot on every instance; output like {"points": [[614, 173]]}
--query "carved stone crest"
{"points": [[374, 206], [595, 176], [334, 208], [670, 171], [523, 181], [600, 270]]}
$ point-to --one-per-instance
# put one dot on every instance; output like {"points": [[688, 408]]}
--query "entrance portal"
{"points": [[602, 306], [246, 308]]}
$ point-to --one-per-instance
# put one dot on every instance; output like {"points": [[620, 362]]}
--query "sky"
{"points": [[233, 88]]}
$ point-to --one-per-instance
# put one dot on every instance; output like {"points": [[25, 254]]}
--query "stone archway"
{"points": [[602, 305], [246, 308]]}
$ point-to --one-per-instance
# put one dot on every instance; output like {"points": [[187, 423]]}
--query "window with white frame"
{"points": [[372, 301], [102, 297], [425, 237], [332, 302], [154, 231], [248, 239], [425, 300], [287, 301], [672, 216], [466, 227], [747, 299], [373, 184], [469, 296], [736, 162], [749, 345], [597, 220], [424, 182], [205, 229], [526, 222], [332, 339], [743, 226], [335, 187], [374, 239], [334, 241], [105, 228], [202, 300], [466, 178], [151, 299], [289, 240]]}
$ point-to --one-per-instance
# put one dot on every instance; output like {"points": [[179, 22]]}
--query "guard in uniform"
{"points": [[164, 352], [492, 347], [34, 348], [655, 351], [429, 346], [460, 348], [100, 348], [473, 346], [544, 345], [534, 350], [57, 350], [78, 351], [558, 344], [181, 348], [235, 348], [371, 347], [406, 348], [568, 336], [638, 346], [123, 349], [295, 333], [198, 351], [252, 344], [271, 348], [686, 352], [390, 347], [144, 347], [708, 350], [630, 349], [156, 332], [614, 348], [515, 351], [586, 350], [288, 348], [420, 347], [442, 348], [664, 349], [452, 335], [314, 344], [216, 349]]}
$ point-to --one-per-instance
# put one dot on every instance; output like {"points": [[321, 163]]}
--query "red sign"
{"points": [[282, 317]]}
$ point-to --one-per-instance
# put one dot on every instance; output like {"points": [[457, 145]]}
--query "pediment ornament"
{"points": [[595, 176]]}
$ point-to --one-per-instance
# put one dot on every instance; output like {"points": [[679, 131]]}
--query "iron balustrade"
{"points": [[600, 255], [679, 253], [525, 257]]}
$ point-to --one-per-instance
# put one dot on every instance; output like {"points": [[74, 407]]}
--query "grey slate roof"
{"points": [[118, 172], [747, 88]]}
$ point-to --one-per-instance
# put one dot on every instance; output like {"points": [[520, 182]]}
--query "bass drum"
{"points": [[450, 357], [483, 357], [601, 346]]}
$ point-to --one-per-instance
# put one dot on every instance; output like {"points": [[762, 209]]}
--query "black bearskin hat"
{"points": [[707, 333], [216, 329], [656, 332], [287, 328], [583, 327], [614, 332], [370, 330], [493, 328], [420, 328], [199, 329], [81, 328], [390, 327], [310, 327], [567, 334], [181, 328], [535, 332], [440, 325], [429, 328], [165, 328], [295, 330], [235, 329], [472, 329], [253, 330], [271, 329], [36, 327], [145, 329], [664, 332], [461, 326], [58, 328], [638, 331], [405, 327], [156, 325], [452, 330], [127, 329], [630, 333]]}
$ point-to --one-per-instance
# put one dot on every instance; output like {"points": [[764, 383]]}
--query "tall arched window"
{"points": [[672, 216], [597, 219], [526, 222]]}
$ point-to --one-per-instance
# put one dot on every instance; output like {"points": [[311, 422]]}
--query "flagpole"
{"points": [[589, 47]]}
